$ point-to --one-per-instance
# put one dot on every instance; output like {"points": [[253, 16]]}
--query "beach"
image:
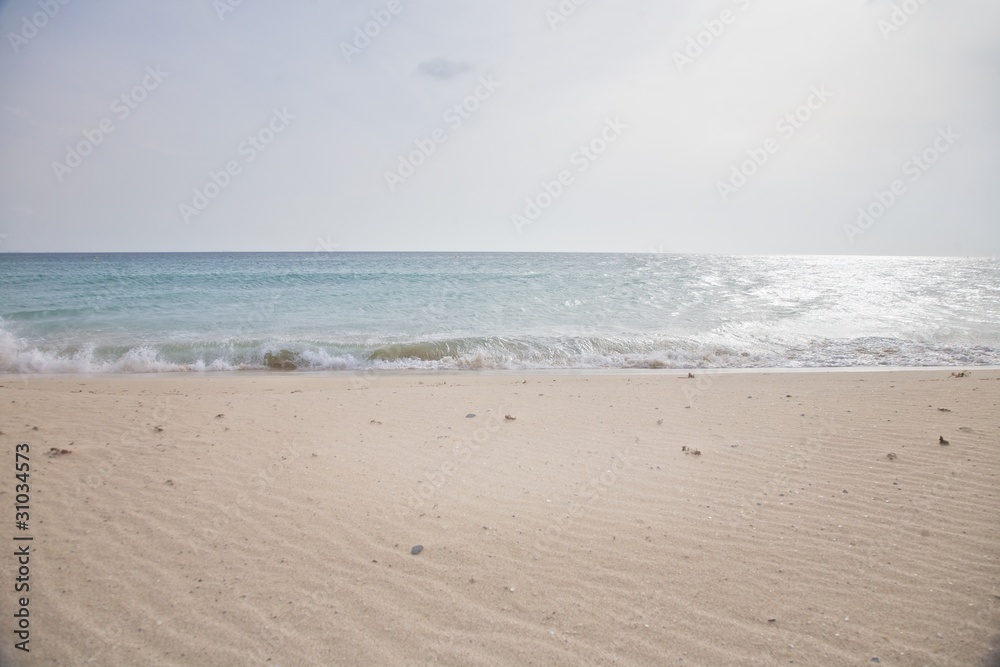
{"points": [[635, 518]]}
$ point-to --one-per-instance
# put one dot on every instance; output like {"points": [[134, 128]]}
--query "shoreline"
{"points": [[570, 372]]}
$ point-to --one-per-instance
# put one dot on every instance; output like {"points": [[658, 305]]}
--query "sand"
{"points": [[268, 519]]}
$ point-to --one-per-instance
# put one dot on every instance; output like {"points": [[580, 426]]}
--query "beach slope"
{"points": [[575, 519]]}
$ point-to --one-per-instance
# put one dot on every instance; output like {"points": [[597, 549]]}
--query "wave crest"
{"points": [[20, 356]]}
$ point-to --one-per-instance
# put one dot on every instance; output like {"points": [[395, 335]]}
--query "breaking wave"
{"points": [[20, 356]]}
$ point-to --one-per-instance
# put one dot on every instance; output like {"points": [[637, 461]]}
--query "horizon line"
{"points": [[468, 252]]}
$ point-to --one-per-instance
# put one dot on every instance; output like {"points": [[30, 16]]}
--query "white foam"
{"points": [[707, 351]]}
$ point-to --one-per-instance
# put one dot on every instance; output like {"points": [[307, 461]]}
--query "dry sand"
{"points": [[268, 519]]}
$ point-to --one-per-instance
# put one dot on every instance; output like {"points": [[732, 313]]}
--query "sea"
{"points": [[332, 311]]}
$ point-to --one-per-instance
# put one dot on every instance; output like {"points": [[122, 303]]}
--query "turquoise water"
{"points": [[204, 312]]}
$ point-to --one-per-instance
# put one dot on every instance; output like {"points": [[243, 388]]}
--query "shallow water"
{"points": [[230, 311]]}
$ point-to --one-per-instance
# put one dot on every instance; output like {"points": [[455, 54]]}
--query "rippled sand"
{"points": [[269, 519]]}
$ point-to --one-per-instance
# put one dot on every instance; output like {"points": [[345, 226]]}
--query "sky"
{"points": [[725, 126]]}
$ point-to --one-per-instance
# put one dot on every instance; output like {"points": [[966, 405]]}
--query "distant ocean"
{"points": [[124, 313]]}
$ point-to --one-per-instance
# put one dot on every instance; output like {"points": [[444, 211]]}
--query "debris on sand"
{"points": [[509, 417], [944, 409], [416, 550], [58, 451], [942, 441], [891, 456], [961, 374]]}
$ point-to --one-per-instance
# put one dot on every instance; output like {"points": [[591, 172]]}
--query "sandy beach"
{"points": [[564, 519]]}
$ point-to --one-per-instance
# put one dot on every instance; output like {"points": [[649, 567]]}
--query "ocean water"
{"points": [[123, 313]]}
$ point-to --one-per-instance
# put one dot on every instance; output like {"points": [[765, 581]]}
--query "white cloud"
{"points": [[443, 69]]}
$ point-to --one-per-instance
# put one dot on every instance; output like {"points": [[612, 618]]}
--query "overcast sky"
{"points": [[732, 126]]}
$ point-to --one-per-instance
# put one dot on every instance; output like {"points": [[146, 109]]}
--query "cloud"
{"points": [[443, 69]]}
